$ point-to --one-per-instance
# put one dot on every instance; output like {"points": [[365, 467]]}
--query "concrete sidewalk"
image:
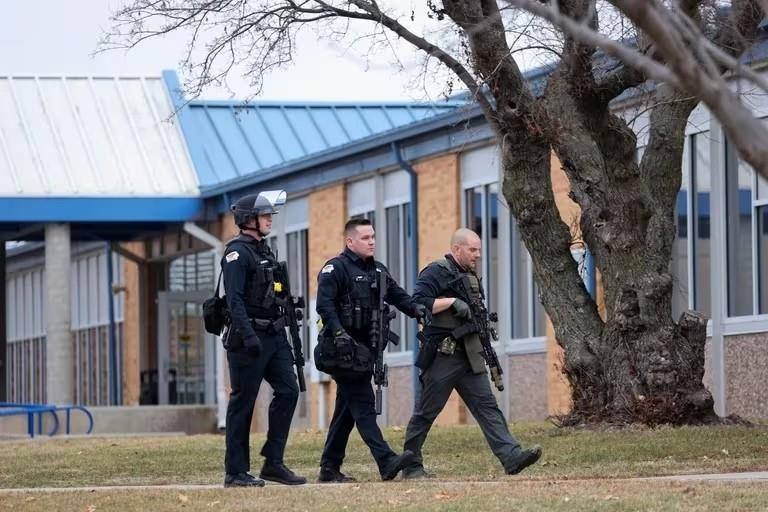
{"points": [[747, 477]]}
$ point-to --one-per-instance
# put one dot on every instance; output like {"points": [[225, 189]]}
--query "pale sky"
{"points": [[57, 37]]}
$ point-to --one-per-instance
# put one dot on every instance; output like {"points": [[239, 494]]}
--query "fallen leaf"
{"points": [[91, 508], [183, 498]]}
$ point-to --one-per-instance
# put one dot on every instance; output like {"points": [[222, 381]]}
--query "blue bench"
{"points": [[32, 411]]}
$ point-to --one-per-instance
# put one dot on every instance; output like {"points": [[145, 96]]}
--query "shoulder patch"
{"points": [[327, 269], [232, 256]]}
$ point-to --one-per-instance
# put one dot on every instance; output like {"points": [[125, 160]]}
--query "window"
{"points": [[26, 336], [702, 247], [192, 272], [762, 251], [482, 207], [738, 203], [399, 258], [90, 320], [679, 266], [528, 316], [370, 215], [298, 271]]}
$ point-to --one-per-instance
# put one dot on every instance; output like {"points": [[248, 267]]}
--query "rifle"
{"points": [[293, 314], [480, 322], [381, 315]]}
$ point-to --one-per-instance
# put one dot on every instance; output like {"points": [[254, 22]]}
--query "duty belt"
{"points": [[263, 324]]}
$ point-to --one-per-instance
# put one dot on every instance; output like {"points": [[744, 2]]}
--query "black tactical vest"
{"points": [[357, 299], [263, 281]]}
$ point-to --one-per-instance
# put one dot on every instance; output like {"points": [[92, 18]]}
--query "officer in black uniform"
{"points": [[256, 344], [457, 364], [345, 300]]}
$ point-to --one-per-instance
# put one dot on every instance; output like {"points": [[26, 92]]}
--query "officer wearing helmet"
{"points": [[256, 344]]}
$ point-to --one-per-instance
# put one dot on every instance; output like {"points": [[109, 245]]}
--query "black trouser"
{"points": [[355, 405], [444, 375], [275, 364]]}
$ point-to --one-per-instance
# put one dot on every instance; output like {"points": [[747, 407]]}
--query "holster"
{"points": [[427, 352]]}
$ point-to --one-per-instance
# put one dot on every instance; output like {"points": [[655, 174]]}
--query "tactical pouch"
{"points": [[427, 353], [346, 315], [325, 354], [362, 358], [447, 346], [232, 339]]}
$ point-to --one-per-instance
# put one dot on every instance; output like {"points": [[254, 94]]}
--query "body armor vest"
{"points": [[357, 300], [264, 280], [469, 283]]}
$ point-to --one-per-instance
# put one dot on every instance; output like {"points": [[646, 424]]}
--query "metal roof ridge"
{"points": [[322, 104], [78, 76]]}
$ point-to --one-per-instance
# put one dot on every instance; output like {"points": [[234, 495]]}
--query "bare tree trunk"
{"points": [[648, 368]]}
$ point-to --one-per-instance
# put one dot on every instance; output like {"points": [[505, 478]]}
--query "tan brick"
{"points": [[439, 205], [327, 216]]}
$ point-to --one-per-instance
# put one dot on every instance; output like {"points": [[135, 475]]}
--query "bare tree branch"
{"points": [[648, 66]]}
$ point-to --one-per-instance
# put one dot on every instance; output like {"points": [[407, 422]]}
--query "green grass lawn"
{"points": [[525, 496], [469, 475]]}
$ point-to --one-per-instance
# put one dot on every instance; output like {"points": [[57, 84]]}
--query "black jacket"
{"points": [[344, 277], [250, 269]]}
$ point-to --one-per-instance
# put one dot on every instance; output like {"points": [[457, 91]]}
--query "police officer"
{"points": [[256, 344], [345, 300], [457, 364]]}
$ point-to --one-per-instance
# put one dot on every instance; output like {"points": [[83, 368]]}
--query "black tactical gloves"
{"points": [[253, 345], [422, 313], [461, 309], [344, 345]]}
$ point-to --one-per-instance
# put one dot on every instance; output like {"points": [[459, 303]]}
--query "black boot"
{"points": [[522, 459], [396, 463], [416, 472], [278, 472], [242, 480], [333, 475]]}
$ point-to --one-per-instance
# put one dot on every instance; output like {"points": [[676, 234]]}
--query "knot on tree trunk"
{"points": [[533, 211], [627, 311], [658, 286]]}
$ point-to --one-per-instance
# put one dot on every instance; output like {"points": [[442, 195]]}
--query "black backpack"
{"points": [[215, 315]]}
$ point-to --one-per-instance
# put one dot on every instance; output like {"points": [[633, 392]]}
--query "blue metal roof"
{"points": [[230, 140]]}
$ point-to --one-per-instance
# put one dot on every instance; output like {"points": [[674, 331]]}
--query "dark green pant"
{"points": [[446, 374]]}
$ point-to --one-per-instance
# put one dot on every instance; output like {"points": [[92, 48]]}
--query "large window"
{"points": [[26, 329], [399, 258], [26, 336], [746, 237], [762, 270], [90, 325], [680, 247], [297, 259], [528, 319], [738, 203], [482, 207], [702, 171]]}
